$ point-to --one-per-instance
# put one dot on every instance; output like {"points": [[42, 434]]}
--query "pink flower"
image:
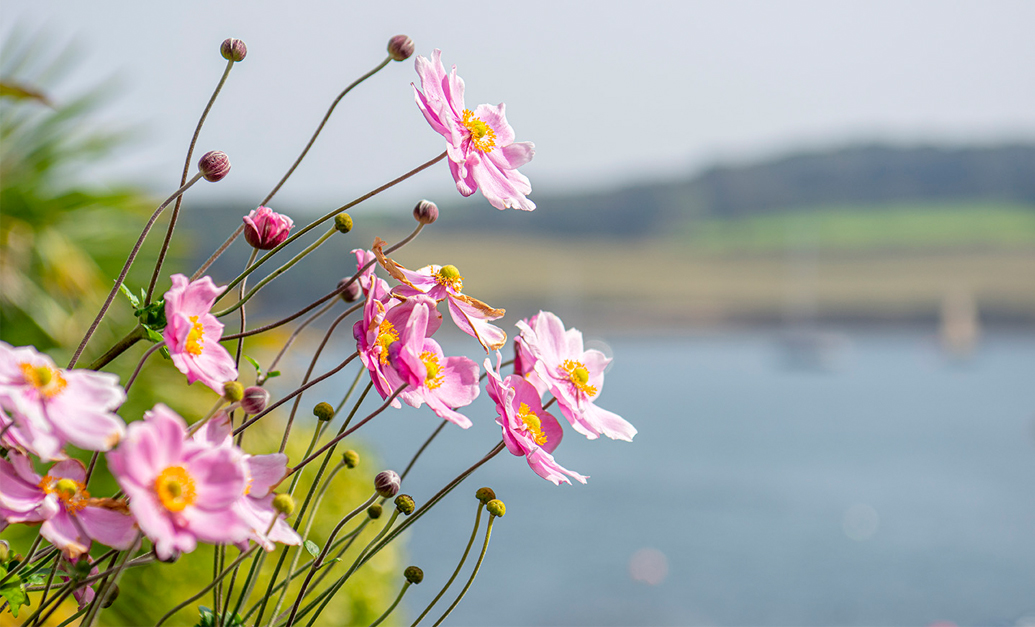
{"points": [[266, 229], [471, 315], [527, 428], [444, 383], [180, 490], [192, 333], [573, 375], [71, 519], [51, 406], [480, 143]]}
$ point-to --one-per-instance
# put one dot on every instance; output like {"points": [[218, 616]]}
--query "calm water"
{"points": [[897, 489]]}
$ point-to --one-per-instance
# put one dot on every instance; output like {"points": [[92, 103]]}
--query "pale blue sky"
{"points": [[610, 92]]}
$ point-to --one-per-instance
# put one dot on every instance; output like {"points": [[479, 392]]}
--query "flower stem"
{"points": [[474, 573], [201, 593], [140, 364], [120, 347], [183, 179], [392, 606], [463, 558], [294, 335], [125, 268]]}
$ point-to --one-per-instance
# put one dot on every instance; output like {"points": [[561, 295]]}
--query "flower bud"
{"points": [[81, 569], [400, 47], [266, 229], [214, 165], [284, 504], [233, 391], [387, 483], [233, 49], [343, 222], [255, 400], [5, 551], [350, 458], [323, 412], [485, 495], [113, 594], [413, 574], [425, 212], [404, 503], [374, 511], [496, 507], [351, 292]]}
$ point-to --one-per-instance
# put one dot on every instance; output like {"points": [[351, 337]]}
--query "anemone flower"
{"points": [[192, 333]]}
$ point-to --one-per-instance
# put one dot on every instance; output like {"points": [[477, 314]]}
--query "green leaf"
{"points": [[14, 591], [133, 300], [208, 619], [272, 373], [153, 335], [313, 549]]}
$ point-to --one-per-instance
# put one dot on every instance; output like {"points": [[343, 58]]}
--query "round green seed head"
{"points": [[485, 495], [496, 507], [284, 504], [413, 574], [350, 458], [323, 411], [343, 222], [374, 511], [404, 503], [233, 391]]}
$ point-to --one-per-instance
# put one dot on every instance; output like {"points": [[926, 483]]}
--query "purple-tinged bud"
{"points": [[350, 458], [233, 49], [343, 222], [413, 574], [400, 47], [425, 212], [266, 229], [351, 292], [255, 400], [404, 503], [284, 504], [214, 165], [233, 391], [323, 412], [374, 511], [387, 483], [496, 507], [485, 495]]}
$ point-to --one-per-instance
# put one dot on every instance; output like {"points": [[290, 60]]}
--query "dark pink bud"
{"points": [[351, 292], [400, 47], [233, 49], [255, 400], [425, 212], [387, 483], [214, 165], [265, 229]]}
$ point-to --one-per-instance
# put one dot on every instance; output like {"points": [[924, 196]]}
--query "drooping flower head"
{"points": [[266, 229], [70, 518], [528, 429], [181, 490], [51, 406], [574, 375], [471, 315], [192, 333], [480, 144]]}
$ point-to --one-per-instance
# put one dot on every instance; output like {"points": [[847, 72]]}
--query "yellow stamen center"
{"points": [[579, 376], [533, 426], [450, 277], [73, 493], [48, 381], [434, 378], [386, 335], [175, 488], [482, 135], [196, 337]]}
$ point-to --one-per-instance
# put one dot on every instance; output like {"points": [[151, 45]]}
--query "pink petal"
{"points": [[110, 527], [265, 472]]}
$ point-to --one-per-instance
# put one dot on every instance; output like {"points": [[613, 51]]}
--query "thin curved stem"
{"points": [[125, 268], [463, 558], [140, 364], [391, 607], [433, 435], [283, 321], [201, 593], [218, 253], [183, 179], [240, 295], [120, 347], [294, 335], [474, 573]]}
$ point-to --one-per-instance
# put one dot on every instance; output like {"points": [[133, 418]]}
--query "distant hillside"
{"points": [[865, 175]]}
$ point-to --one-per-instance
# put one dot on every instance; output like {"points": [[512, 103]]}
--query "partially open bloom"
{"points": [[573, 375], [51, 406], [471, 315], [192, 333], [70, 518], [480, 144], [444, 383], [527, 428], [180, 490], [266, 229]]}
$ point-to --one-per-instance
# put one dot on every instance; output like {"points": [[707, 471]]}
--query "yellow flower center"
{"points": [[386, 335], [73, 493], [579, 376], [48, 381], [175, 488], [434, 378], [482, 135], [533, 426], [196, 337], [450, 277]]}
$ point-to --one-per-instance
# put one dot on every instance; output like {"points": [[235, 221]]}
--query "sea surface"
{"points": [[884, 484]]}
